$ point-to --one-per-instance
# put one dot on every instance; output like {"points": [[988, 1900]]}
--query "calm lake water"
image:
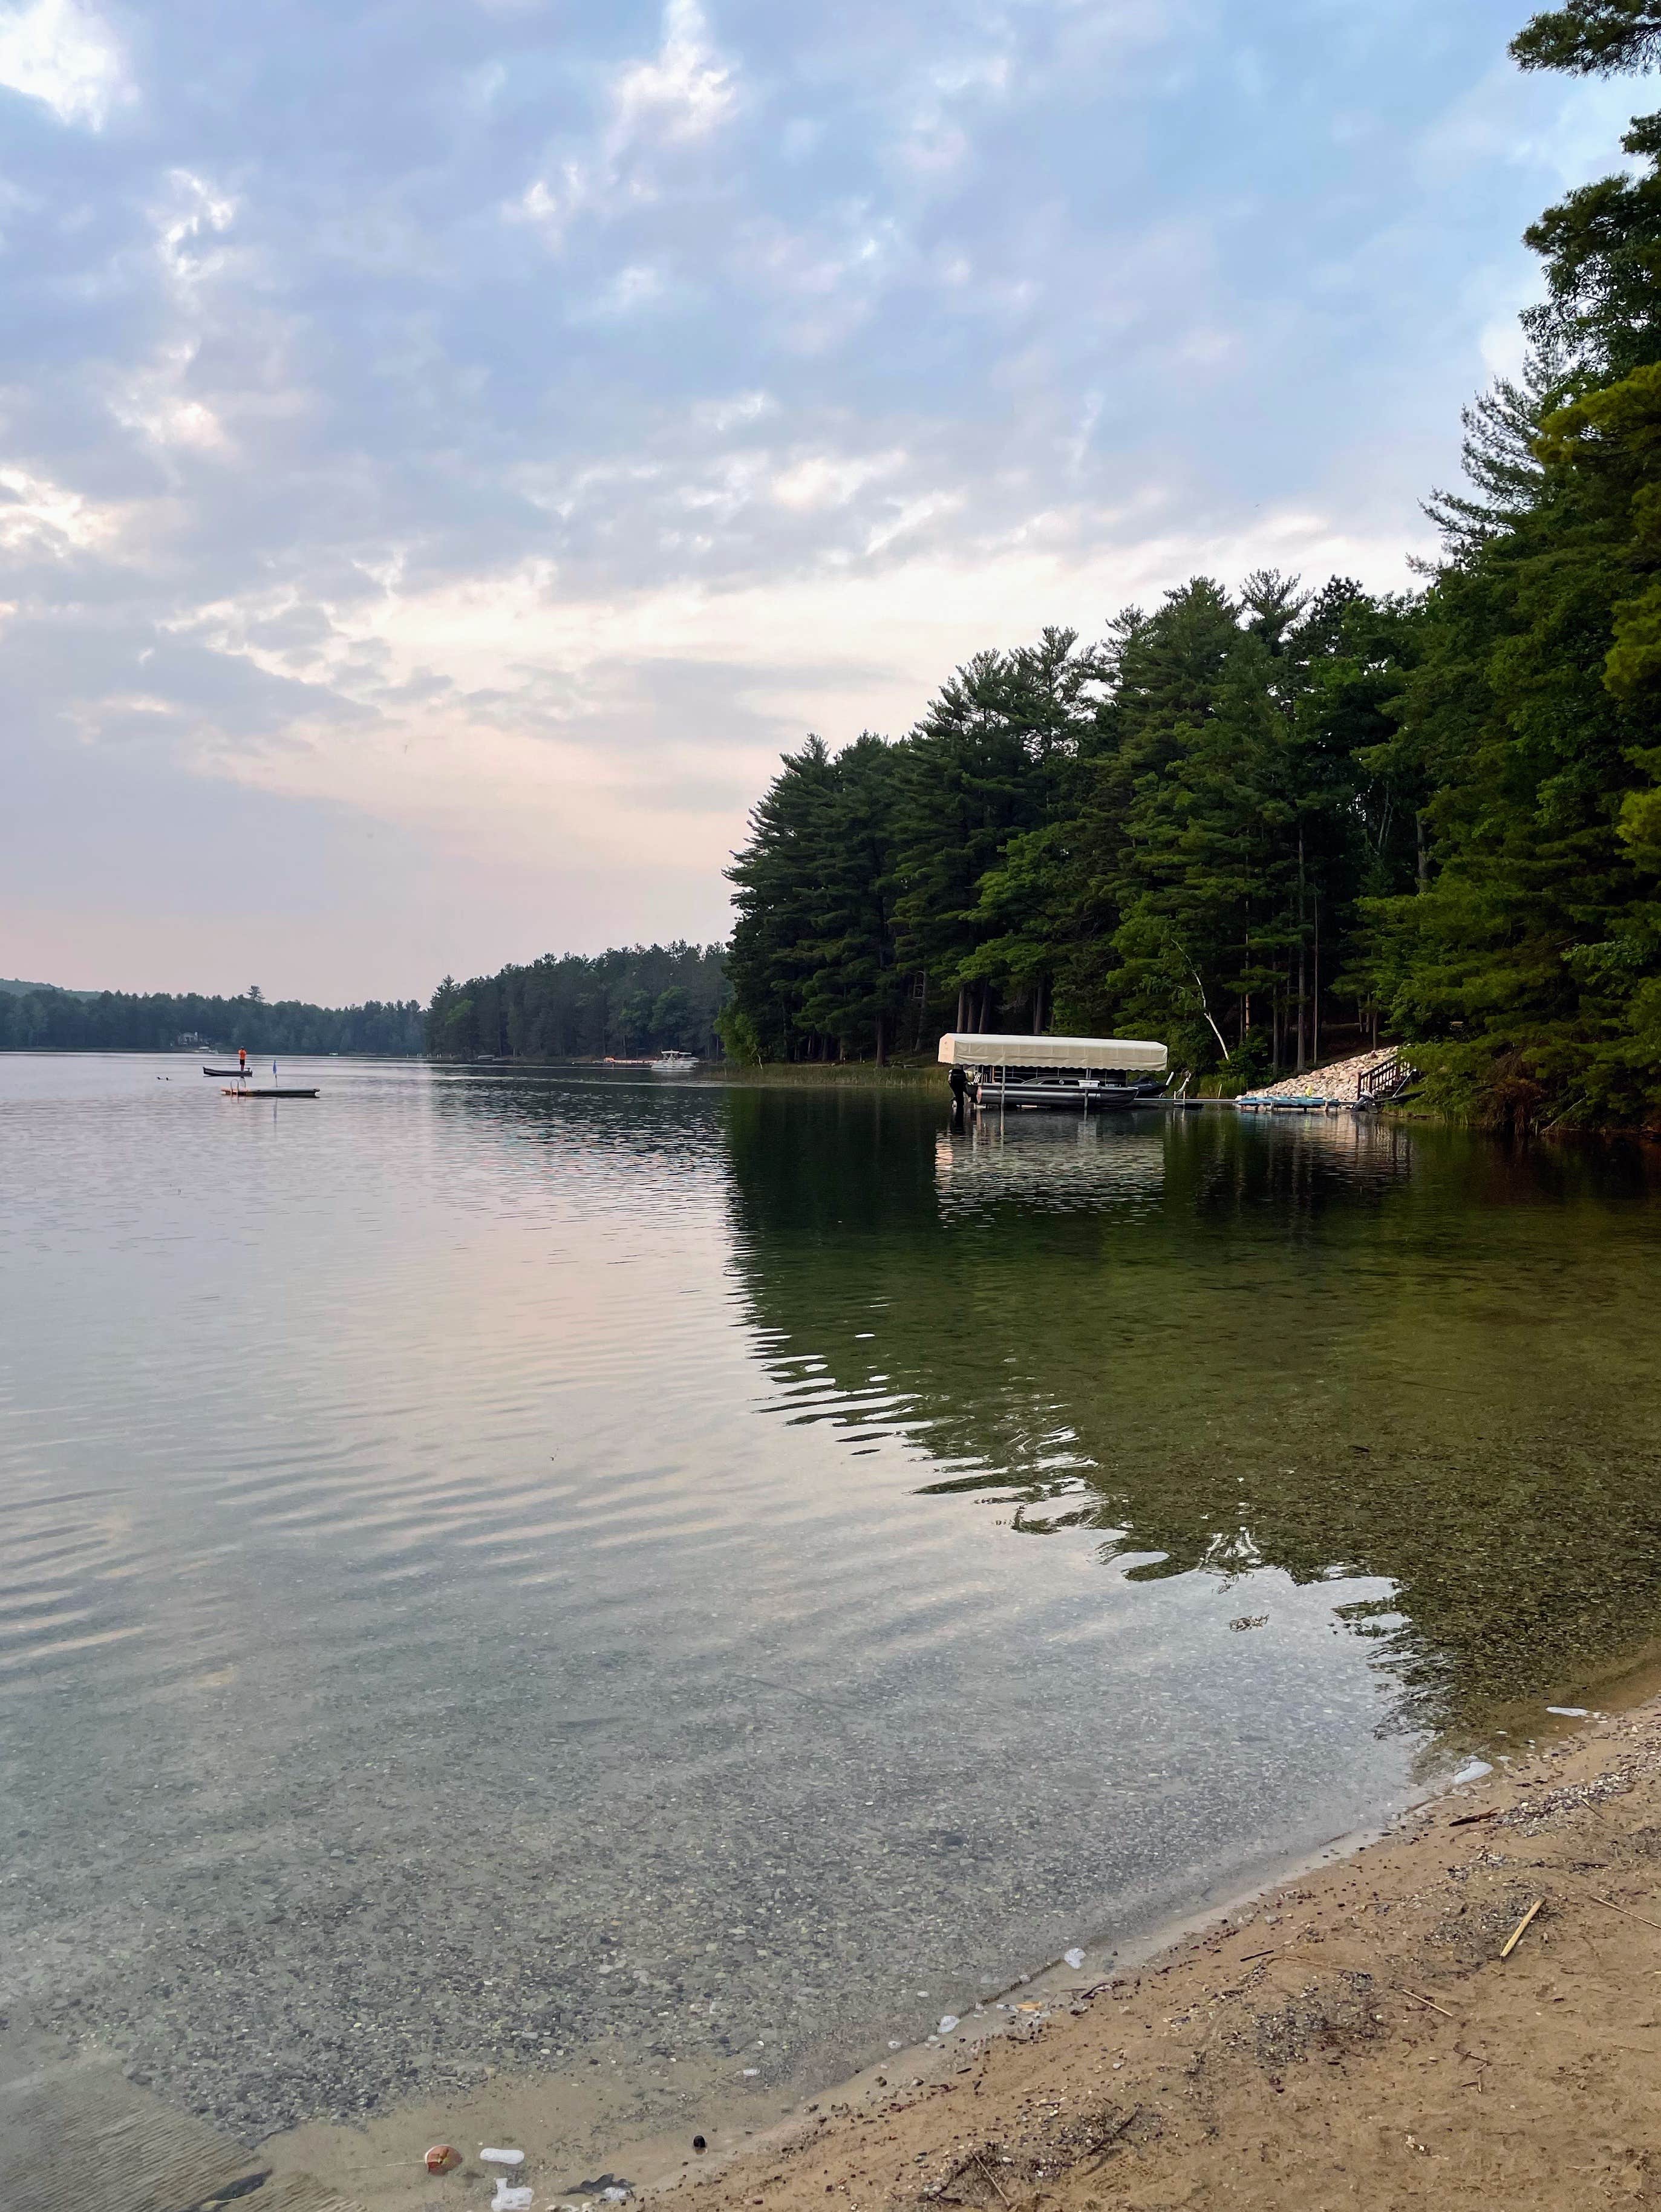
{"points": [[499, 1566]]}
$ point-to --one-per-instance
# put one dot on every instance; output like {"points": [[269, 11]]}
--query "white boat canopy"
{"points": [[982, 1049]]}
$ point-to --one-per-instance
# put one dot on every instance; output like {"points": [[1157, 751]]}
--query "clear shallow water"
{"points": [[495, 1567]]}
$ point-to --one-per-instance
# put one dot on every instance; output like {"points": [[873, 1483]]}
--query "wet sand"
{"points": [[1355, 2034]]}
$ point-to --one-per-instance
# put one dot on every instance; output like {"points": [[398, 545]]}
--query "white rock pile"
{"points": [[1340, 1079]]}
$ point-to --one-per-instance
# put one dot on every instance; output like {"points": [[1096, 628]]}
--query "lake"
{"points": [[503, 1567]]}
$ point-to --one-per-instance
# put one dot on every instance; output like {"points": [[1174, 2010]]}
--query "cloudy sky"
{"points": [[448, 448]]}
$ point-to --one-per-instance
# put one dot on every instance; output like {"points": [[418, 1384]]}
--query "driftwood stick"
{"points": [[1609, 1906], [1465, 1820], [1420, 1997], [990, 2175], [1516, 1935], [1269, 1954]]}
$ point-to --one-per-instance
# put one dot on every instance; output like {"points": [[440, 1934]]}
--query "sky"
{"points": [[448, 451]]}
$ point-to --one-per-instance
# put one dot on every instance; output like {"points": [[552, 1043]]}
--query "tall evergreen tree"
{"points": [[965, 786], [776, 878], [1531, 947], [852, 987]]}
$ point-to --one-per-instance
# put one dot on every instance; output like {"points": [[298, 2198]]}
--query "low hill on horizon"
{"points": [[18, 988]]}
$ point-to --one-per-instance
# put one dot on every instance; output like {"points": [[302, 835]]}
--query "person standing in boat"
{"points": [[242, 1061]]}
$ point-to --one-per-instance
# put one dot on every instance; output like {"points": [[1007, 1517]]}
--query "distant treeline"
{"points": [[1261, 822], [44, 1019], [634, 999]]}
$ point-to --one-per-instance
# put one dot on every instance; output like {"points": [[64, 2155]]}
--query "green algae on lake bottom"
{"points": [[1330, 1345]]}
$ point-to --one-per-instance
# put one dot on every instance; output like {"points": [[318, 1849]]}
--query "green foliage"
{"points": [[1529, 960], [1592, 37], [1533, 952], [739, 1037], [1602, 247], [776, 884], [643, 999], [1167, 833]]}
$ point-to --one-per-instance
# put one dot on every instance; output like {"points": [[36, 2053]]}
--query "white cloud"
{"points": [[727, 486], [551, 202], [935, 138], [1504, 346], [825, 282], [56, 53], [38, 516], [684, 92], [154, 403], [817, 481], [914, 514], [634, 286], [724, 415], [678, 96], [196, 215], [484, 711]]}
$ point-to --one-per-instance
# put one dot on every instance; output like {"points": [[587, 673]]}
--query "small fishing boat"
{"points": [[675, 1063], [222, 1071], [247, 1091]]}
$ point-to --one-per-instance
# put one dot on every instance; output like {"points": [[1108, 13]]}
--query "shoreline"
{"points": [[1046, 2039], [1323, 2028], [916, 1076], [567, 2125], [1452, 2012]]}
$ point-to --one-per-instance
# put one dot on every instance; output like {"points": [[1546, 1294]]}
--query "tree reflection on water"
{"points": [[1333, 1346]]}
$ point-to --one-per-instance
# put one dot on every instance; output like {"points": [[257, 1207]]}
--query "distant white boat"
{"points": [[675, 1063]]}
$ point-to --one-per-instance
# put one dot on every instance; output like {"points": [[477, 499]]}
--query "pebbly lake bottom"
{"points": [[619, 2124], [503, 1574]]}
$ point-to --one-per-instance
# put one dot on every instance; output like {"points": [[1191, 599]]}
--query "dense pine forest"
{"points": [[36, 1017], [633, 1000], [1266, 820]]}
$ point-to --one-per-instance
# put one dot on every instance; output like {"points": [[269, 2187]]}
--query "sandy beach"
{"points": [[1362, 2034]]}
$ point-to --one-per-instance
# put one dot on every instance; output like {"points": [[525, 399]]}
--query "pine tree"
{"points": [[851, 991], [770, 960], [1592, 37], [965, 786]]}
